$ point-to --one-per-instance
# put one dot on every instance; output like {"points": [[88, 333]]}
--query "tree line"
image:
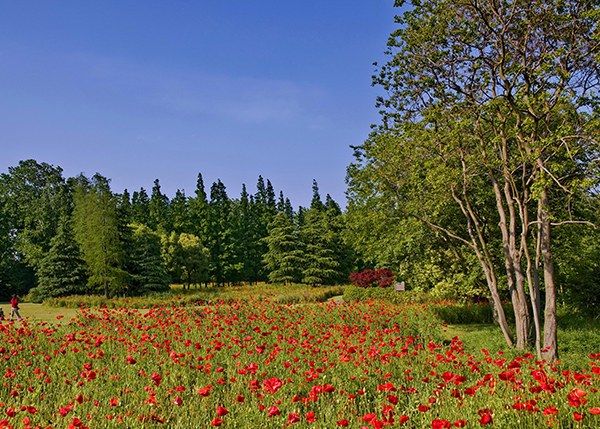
{"points": [[76, 236]]}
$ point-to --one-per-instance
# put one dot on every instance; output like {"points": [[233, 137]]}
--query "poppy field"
{"points": [[250, 363]]}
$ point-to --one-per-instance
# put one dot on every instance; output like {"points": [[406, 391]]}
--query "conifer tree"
{"points": [[219, 231], [62, 270], [97, 232], [198, 211], [179, 213], [316, 203], [280, 203], [320, 264], [247, 262], [147, 267], [284, 258], [159, 209], [140, 207]]}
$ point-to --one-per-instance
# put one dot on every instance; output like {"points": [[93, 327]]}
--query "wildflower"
{"points": [[274, 411]]}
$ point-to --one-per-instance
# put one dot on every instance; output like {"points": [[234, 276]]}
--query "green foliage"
{"points": [[147, 267], [284, 258], [97, 232], [62, 271], [320, 264], [34, 196]]}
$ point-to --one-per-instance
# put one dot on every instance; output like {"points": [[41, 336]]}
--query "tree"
{"points": [[316, 203], [140, 207], [35, 197], [159, 209], [489, 111], [219, 232], [97, 232], [284, 258], [195, 259], [186, 259], [62, 271], [179, 212], [198, 211], [320, 265], [146, 267]]}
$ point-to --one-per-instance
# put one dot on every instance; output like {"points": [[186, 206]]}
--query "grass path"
{"points": [[33, 313]]}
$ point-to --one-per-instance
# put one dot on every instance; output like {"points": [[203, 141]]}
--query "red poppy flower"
{"points": [[423, 408], [221, 411], [460, 423], [439, 424], [392, 399], [274, 411], [177, 400], [486, 419], [310, 417], [595, 411], [403, 419], [293, 418], [370, 417], [216, 422], [578, 417], [343, 423]]}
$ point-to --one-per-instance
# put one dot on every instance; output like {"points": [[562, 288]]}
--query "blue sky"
{"points": [[140, 90]]}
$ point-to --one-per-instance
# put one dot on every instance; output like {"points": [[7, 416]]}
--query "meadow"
{"points": [[256, 360]]}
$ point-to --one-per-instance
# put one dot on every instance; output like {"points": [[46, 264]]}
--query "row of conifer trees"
{"points": [[71, 236]]}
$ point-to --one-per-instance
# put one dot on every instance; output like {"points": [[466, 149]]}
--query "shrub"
{"points": [[371, 278]]}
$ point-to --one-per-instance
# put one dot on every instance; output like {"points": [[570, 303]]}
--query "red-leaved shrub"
{"points": [[373, 278]]}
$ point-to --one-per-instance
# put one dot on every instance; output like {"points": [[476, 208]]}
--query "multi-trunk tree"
{"points": [[490, 110]]}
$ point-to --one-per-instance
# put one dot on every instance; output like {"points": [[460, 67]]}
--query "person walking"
{"points": [[14, 308]]}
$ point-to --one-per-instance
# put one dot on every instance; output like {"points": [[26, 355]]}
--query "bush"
{"points": [[370, 278]]}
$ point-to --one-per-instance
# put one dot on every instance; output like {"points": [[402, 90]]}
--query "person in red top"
{"points": [[14, 310]]}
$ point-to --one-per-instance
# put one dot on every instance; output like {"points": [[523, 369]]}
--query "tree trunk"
{"points": [[512, 262], [550, 352]]}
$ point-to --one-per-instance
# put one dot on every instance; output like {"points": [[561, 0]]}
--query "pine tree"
{"points": [[246, 261], [316, 203], [62, 270], [198, 212], [284, 258], [140, 207], [146, 267], [179, 213], [159, 209], [219, 232], [320, 265]]}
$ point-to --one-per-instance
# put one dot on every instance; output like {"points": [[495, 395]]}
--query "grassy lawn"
{"points": [[34, 313]]}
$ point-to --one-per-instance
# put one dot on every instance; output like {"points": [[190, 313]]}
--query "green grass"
{"points": [[33, 313], [578, 337]]}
